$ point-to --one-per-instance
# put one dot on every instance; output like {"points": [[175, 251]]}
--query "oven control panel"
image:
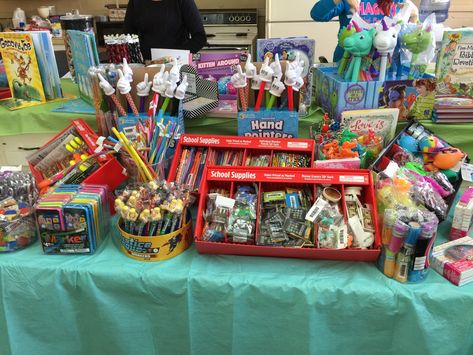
{"points": [[229, 17]]}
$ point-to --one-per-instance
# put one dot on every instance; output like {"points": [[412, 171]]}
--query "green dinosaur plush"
{"points": [[417, 41], [25, 92]]}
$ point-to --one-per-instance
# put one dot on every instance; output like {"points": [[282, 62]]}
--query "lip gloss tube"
{"points": [[399, 232]]}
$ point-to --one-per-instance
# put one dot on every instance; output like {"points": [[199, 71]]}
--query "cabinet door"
{"points": [[288, 10], [324, 34]]}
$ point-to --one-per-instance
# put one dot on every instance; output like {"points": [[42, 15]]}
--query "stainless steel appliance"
{"points": [[230, 30]]}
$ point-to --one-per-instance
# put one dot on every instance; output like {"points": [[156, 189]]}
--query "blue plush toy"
{"points": [[408, 143]]}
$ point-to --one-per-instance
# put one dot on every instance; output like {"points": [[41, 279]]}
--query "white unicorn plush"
{"points": [[385, 40]]}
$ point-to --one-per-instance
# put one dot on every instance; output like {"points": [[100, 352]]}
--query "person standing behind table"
{"points": [[173, 24], [369, 10]]}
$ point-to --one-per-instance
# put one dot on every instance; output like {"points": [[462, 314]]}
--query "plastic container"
{"points": [[17, 234], [439, 7], [156, 248], [19, 18]]}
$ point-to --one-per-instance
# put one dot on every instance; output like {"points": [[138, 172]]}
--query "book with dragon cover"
{"points": [[455, 63], [21, 66]]}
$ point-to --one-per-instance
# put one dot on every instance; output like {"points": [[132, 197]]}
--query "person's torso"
{"points": [[160, 22]]}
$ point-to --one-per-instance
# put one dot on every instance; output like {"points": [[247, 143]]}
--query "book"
{"points": [[219, 67], [382, 121], [47, 64], [454, 260], [84, 56], [455, 63], [453, 109], [287, 49], [23, 74]]}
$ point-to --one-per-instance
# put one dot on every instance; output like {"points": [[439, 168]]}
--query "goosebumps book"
{"points": [[455, 63], [22, 71]]}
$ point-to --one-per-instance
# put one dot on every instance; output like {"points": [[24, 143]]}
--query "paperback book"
{"points": [[21, 67]]}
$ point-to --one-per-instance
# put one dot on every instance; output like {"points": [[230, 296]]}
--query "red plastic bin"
{"points": [[228, 177]]}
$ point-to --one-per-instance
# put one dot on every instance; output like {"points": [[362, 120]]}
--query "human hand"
{"points": [[250, 69], [238, 79], [174, 72], [123, 85], [170, 88], [158, 79], [105, 85], [127, 72], [181, 89], [266, 73], [255, 82], [143, 87], [276, 67], [277, 87]]}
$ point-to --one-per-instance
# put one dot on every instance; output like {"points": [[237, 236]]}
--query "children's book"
{"points": [[382, 121], [84, 56], [47, 64], [220, 67], [455, 63], [23, 74]]}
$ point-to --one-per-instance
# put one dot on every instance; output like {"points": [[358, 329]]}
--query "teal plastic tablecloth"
{"points": [[206, 304]]}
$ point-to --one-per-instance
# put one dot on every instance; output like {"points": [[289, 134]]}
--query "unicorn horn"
{"points": [[385, 25], [357, 28]]}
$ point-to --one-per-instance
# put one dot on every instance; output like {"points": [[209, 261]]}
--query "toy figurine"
{"points": [[417, 42], [326, 126], [385, 40], [359, 44], [344, 33], [445, 159]]}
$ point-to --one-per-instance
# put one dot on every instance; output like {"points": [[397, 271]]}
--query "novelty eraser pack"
{"points": [[413, 97], [73, 219], [71, 157]]}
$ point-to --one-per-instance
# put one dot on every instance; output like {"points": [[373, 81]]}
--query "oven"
{"points": [[230, 30]]}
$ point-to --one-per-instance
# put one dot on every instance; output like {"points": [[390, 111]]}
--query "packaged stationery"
{"points": [[17, 198]]}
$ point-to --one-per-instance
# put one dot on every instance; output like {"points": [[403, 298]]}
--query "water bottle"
{"points": [[19, 18], [439, 7]]}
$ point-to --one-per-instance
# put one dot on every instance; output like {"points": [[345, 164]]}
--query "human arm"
{"points": [[325, 10], [129, 26], [193, 22]]}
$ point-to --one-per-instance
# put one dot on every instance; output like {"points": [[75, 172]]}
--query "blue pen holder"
{"points": [[335, 94]]}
